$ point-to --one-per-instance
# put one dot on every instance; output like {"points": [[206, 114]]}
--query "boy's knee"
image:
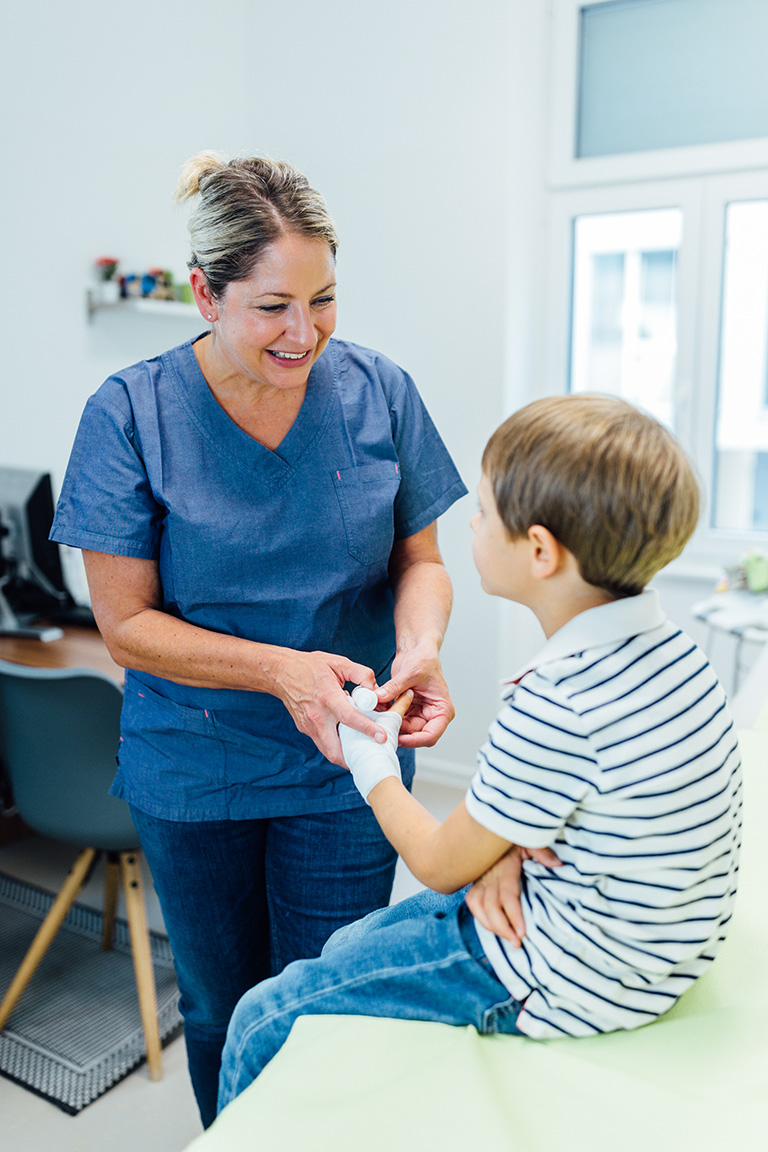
{"points": [[245, 1011], [231, 1081], [413, 907], [345, 935], [234, 1076]]}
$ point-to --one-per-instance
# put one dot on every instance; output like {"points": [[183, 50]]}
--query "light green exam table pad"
{"points": [[696, 1079]]}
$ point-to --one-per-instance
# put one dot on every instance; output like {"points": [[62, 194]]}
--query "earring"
{"points": [[209, 316]]}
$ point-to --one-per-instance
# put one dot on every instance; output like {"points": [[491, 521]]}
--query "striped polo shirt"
{"points": [[614, 747]]}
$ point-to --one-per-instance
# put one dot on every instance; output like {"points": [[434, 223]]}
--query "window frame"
{"points": [[702, 181]]}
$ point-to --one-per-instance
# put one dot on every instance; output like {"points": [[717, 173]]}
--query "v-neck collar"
{"points": [[229, 439]]}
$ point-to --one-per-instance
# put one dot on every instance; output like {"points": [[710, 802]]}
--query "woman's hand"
{"points": [[495, 898], [311, 686], [422, 593], [127, 603], [431, 709]]}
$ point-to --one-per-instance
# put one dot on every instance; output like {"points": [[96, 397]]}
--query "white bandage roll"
{"points": [[364, 699], [368, 761]]}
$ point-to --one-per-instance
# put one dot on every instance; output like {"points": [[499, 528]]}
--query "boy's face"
{"points": [[501, 561]]}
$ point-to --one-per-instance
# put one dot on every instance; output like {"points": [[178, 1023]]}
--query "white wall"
{"points": [[422, 121]]}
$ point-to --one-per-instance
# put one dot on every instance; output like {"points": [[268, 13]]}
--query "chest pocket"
{"points": [[366, 496]]}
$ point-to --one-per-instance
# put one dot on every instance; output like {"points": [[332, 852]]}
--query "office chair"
{"points": [[59, 733]]}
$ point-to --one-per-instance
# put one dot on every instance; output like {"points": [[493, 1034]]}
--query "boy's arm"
{"points": [[444, 856]]}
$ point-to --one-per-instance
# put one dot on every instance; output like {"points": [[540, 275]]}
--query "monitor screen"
{"points": [[31, 577], [26, 514]]}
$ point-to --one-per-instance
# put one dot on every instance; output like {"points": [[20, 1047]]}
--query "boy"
{"points": [[613, 747]]}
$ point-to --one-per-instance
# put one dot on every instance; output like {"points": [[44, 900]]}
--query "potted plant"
{"points": [[109, 286]]}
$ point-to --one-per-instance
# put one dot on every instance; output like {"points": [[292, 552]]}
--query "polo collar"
{"points": [[607, 624]]}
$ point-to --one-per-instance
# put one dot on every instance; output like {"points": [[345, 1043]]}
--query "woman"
{"points": [[257, 512]]}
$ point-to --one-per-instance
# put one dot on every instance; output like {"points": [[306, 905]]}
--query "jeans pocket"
{"points": [[366, 495], [502, 1018]]}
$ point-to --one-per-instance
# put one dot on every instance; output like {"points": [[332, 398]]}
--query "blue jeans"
{"points": [[241, 899], [419, 960]]}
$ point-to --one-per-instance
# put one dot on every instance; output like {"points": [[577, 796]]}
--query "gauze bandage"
{"points": [[368, 761]]}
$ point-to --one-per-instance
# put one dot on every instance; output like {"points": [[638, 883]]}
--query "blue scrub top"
{"points": [[289, 547]]}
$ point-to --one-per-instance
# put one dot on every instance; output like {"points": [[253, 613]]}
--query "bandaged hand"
{"points": [[369, 762]]}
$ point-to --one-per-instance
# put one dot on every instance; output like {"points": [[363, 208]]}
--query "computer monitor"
{"points": [[31, 577]]}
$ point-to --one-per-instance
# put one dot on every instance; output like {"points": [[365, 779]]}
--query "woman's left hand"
{"points": [[422, 592], [431, 710]]}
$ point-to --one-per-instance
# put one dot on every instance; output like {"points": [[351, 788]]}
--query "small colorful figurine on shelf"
{"points": [[130, 284], [155, 284], [163, 286]]}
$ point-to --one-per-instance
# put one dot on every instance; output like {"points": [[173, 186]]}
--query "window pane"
{"points": [[624, 333], [741, 440], [667, 73]]}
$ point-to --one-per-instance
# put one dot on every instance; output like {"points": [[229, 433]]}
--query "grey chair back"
{"points": [[59, 736]]}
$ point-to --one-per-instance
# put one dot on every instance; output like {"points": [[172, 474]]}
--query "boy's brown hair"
{"points": [[609, 482]]}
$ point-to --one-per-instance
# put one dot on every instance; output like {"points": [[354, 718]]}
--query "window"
{"points": [[658, 262], [664, 73], [624, 331], [741, 437]]}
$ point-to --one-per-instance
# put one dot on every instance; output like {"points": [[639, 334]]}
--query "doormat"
{"points": [[76, 1031]]}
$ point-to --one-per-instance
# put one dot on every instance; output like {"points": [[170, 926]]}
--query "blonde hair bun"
{"points": [[199, 166]]}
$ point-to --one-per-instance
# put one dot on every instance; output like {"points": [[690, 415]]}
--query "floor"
{"points": [[136, 1114]]}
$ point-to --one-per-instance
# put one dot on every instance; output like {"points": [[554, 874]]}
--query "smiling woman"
{"points": [[263, 272], [257, 509], [268, 331]]}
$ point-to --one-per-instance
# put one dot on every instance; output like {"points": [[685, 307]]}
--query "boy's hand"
{"points": [[431, 710], [495, 898], [369, 762], [402, 704]]}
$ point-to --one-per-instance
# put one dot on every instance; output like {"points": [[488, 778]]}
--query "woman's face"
{"points": [[270, 328]]}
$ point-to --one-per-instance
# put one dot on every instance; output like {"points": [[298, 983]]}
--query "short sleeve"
{"points": [[430, 482], [106, 503], [535, 768]]}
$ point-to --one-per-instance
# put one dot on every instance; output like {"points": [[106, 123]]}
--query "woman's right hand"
{"points": [[311, 686]]}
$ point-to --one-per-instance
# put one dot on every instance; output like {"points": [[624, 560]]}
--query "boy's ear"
{"points": [[547, 553]]}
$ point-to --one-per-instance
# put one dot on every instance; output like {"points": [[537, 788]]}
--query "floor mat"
{"points": [[76, 1031]]}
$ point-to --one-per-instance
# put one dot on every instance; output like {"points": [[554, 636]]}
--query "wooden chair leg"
{"points": [[111, 885], [142, 959], [46, 932]]}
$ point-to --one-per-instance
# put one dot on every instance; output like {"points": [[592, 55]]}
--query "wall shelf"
{"points": [[144, 304]]}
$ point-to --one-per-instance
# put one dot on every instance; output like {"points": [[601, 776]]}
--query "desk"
{"points": [[78, 648]]}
